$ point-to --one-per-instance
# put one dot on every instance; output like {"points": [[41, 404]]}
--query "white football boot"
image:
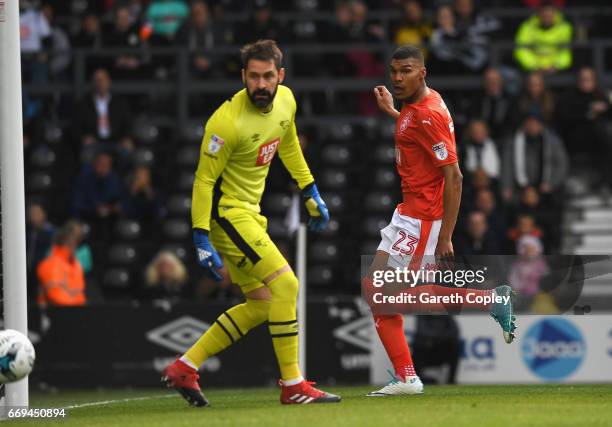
{"points": [[397, 387]]}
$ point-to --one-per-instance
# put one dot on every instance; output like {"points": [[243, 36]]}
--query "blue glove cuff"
{"points": [[310, 190]]}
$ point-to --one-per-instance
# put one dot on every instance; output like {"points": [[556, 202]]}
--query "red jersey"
{"points": [[424, 142]]}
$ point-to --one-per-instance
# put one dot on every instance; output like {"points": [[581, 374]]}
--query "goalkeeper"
{"points": [[240, 140]]}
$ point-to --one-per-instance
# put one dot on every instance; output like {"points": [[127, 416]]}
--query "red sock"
{"points": [[390, 329]]}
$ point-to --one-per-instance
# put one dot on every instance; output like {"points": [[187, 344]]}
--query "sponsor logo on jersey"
{"points": [[267, 152], [284, 124], [215, 144], [553, 348], [440, 151]]}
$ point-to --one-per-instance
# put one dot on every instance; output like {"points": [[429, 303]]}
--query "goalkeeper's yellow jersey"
{"points": [[238, 146]]}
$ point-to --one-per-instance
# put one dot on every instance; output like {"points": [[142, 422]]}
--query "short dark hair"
{"points": [[408, 51], [263, 50], [68, 231]]}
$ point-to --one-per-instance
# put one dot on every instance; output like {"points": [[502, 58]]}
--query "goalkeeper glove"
{"points": [[207, 256], [319, 215]]}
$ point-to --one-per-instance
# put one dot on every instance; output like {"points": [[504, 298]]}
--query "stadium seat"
{"points": [[145, 131], [332, 228], [336, 154], [188, 156], [181, 251], [122, 254], [43, 158], [193, 132], [334, 179], [127, 229], [116, 278], [176, 229], [320, 275], [335, 202], [179, 205], [39, 182], [387, 130], [385, 154], [385, 177], [143, 157], [368, 247], [372, 226], [276, 203], [323, 250], [277, 228], [378, 202], [184, 182], [342, 132], [53, 133]]}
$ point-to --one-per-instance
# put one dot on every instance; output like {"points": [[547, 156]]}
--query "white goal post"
{"points": [[12, 182]]}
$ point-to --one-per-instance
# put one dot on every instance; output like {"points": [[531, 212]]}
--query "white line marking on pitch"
{"points": [[109, 402]]}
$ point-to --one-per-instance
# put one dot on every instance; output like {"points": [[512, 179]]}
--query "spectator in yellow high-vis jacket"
{"points": [[543, 41]]}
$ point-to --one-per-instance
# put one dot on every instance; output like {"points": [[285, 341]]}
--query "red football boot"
{"points": [[304, 393], [184, 379]]}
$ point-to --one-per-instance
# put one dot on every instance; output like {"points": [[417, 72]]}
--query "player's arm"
{"points": [[438, 141], [453, 183], [384, 99], [292, 157], [219, 140]]}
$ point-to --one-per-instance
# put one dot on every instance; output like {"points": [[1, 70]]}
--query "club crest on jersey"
{"points": [[267, 152], [440, 151], [405, 122], [215, 144]]}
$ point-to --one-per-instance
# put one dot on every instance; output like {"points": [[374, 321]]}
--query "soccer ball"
{"points": [[16, 356]]}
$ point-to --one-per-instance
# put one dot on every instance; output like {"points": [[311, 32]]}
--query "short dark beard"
{"points": [[262, 103]]}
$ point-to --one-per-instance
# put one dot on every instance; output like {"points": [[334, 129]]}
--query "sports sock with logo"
{"points": [[227, 329], [283, 326]]}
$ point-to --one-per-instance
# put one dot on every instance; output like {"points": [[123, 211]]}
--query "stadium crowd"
{"points": [[515, 134]]}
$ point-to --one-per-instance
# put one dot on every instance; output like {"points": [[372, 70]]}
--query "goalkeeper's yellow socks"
{"points": [[227, 329], [283, 325]]}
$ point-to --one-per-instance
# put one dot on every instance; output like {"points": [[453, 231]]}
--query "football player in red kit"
{"points": [[423, 224]]}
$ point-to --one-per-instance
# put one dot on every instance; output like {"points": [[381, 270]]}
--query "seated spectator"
{"points": [[201, 35], [142, 200], [104, 117], [583, 119], [494, 105], [60, 49], [124, 34], [60, 275], [486, 203], [35, 34], [166, 277], [536, 157], [261, 25], [480, 152], [414, 28], [525, 226], [90, 34], [543, 41], [455, 51], [478, 239], [473, 22], [339, 31], [362, 28], [536, 96], [529, 269], [163, 19], [98, 191], [39, 236], [546, 216]]}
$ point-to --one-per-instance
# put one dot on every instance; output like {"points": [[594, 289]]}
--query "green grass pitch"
{"points": [[465, 405]]}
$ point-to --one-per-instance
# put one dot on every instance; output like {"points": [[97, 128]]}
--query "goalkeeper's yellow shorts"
{"points": [[240, 236]]}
